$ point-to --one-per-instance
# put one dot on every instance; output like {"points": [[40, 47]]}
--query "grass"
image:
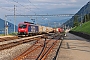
{"points": [[1, 34], [83, 28], [12, 34]]}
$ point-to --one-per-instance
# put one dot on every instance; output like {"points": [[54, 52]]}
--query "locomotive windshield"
{"points": [[22, 26]]}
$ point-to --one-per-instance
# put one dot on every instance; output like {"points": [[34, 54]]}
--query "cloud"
{"points": [[73, 1], [40, 6]]}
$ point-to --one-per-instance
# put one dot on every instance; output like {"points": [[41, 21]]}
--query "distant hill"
{"points": [[82, 12], [55, 22], [2, 26]]}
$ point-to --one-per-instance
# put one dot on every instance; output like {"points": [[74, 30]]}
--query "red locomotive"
{"points": [[27, 28]]}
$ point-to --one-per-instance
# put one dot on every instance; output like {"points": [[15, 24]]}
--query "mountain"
{"points": [[81, 13], [84, 10], [2, 26], [55, 22]]}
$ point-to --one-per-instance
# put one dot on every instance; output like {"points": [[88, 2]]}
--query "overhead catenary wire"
{"points": [[20, 5], [6, 9], [24, 6], [18, 13], [35, 6], [28, 8]]}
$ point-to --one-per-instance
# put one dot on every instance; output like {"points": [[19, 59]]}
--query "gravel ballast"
{"points": [[10, 54]]}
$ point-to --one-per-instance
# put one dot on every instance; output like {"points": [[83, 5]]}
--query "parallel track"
{"points": [[38, 51], [12, 44], [8, 38], [15, 43]]}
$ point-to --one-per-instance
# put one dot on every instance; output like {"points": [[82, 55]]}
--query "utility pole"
{"points": [[14, 19], [6, 26]]}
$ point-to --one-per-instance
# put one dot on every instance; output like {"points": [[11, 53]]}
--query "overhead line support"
{"points": [[48, 15]]}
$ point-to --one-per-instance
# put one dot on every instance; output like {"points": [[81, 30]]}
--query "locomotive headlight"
{"points": [[25, 30], [19, 30]]}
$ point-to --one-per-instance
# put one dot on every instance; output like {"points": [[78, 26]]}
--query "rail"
{"points": [[40, 50]]}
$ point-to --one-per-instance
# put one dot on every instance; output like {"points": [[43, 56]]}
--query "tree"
{"points": [[76, 23], [86, 18]]}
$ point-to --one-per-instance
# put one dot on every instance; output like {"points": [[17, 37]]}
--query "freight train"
{"points": [[27, 29]]}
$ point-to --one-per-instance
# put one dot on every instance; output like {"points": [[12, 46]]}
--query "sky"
{"points": [[29, 7]]}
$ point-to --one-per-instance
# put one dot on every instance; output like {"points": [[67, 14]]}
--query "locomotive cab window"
{"points": [[22, 26]]}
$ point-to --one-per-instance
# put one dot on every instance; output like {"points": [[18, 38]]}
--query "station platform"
{"points": [[74, 48]]}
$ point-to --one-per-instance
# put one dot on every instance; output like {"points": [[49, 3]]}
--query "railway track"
{"points": [[12, 38], [8, 38], [40, 50], [12, 43]]}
